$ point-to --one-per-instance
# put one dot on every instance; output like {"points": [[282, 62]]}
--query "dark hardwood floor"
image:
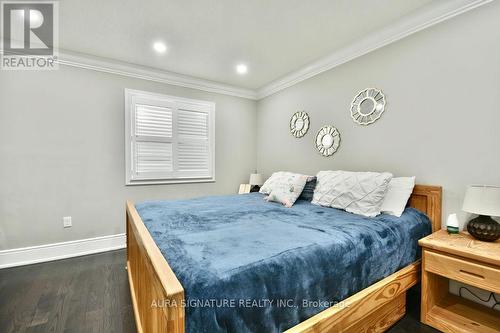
{"points": [[90, 294], [84, 294]]}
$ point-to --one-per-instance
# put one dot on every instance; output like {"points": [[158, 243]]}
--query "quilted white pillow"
{"points": [[397, 195], [288, 192], [356, 192]]}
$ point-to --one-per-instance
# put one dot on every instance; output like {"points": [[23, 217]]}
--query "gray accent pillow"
{"points": [[308, 191], [356, 192]]}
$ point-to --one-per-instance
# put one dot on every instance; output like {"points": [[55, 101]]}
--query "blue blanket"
{"points": [[247, 265]]}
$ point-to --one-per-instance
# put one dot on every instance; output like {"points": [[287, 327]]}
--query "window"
{"points": [[168, 139]]}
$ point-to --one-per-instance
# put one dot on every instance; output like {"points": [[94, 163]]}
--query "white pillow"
{"points": [[287, 193], [276, 180], [397, 195], [356, 192]]}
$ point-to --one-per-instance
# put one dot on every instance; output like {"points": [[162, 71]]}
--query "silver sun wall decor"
{"points": [[299, 124], [368, 106], [327, 140]]}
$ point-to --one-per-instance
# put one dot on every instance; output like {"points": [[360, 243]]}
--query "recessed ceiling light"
{"points": [[242, 69], [160, 47]]}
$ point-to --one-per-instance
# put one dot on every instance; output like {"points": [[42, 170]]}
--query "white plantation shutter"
{"points": [[193, 157], [153, 157], [168, 139], [152, 141], [153, 121], [193, 142]]}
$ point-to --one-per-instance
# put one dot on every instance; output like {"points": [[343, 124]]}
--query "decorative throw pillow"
{"points": [[397, 195], [271, 182], [356, 192], [277, 179], [308, 191], [288, 192]]}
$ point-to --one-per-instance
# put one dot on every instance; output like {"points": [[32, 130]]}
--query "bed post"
{"points": [[427, 199]]}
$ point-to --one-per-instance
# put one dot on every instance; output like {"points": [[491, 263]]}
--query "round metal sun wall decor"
{"points": [[299, 124], [368, 106], [327, 140]]}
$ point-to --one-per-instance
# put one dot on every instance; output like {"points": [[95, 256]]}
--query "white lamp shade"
{"points": [[256, 179], [482, 200]]}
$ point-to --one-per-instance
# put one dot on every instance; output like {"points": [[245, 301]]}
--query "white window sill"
{"points": [[168, 181]]}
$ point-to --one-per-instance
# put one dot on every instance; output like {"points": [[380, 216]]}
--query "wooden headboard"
{"points": [[427, 199]]}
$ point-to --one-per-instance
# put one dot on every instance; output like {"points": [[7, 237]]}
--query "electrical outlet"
{"points": [[67, 222]]}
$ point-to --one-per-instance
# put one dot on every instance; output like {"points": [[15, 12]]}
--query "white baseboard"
{"points": [[49, 252]]}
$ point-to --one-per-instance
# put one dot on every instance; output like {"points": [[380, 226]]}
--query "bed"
{"points": [[241, 248]]}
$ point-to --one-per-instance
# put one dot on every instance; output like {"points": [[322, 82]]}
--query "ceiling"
{"points": [[208, 38]]}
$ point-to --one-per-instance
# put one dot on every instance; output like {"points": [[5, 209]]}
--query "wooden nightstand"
{"points": [[244, 189], [465, 259]]}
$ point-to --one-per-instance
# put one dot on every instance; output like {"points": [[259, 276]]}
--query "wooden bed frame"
{"points": [[157, 295]]}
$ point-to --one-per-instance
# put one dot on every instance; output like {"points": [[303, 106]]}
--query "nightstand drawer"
{"points": [[475, 274]]}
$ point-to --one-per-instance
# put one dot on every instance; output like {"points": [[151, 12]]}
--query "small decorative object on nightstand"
{"points": [[467, 260], [256, 181], [452, 224], [484, 201]]}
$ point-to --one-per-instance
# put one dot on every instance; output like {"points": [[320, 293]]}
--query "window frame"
{"points": [[135, 97]]}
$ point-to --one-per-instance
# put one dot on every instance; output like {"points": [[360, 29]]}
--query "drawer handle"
{"points": [[472, 274]]}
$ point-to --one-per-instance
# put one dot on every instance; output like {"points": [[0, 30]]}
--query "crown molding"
{"points": [[116, 67], [421, 19], [112, 66]]}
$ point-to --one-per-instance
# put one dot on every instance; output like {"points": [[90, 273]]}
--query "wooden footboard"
{"points": [[373, 309], [158, 296], [156, 293]]}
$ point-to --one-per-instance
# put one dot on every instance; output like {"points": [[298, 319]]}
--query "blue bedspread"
{"points": [[248, 265]]}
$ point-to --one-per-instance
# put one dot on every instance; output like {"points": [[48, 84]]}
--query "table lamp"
{"points": [[484, 201], [255, 182]]}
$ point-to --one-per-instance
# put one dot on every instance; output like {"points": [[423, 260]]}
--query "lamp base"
{"points": [[254, 188], [484, 228]]}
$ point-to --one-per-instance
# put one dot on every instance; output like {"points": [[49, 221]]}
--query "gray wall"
{"points": [[61, 132], [62, 153], [442, 118]]}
